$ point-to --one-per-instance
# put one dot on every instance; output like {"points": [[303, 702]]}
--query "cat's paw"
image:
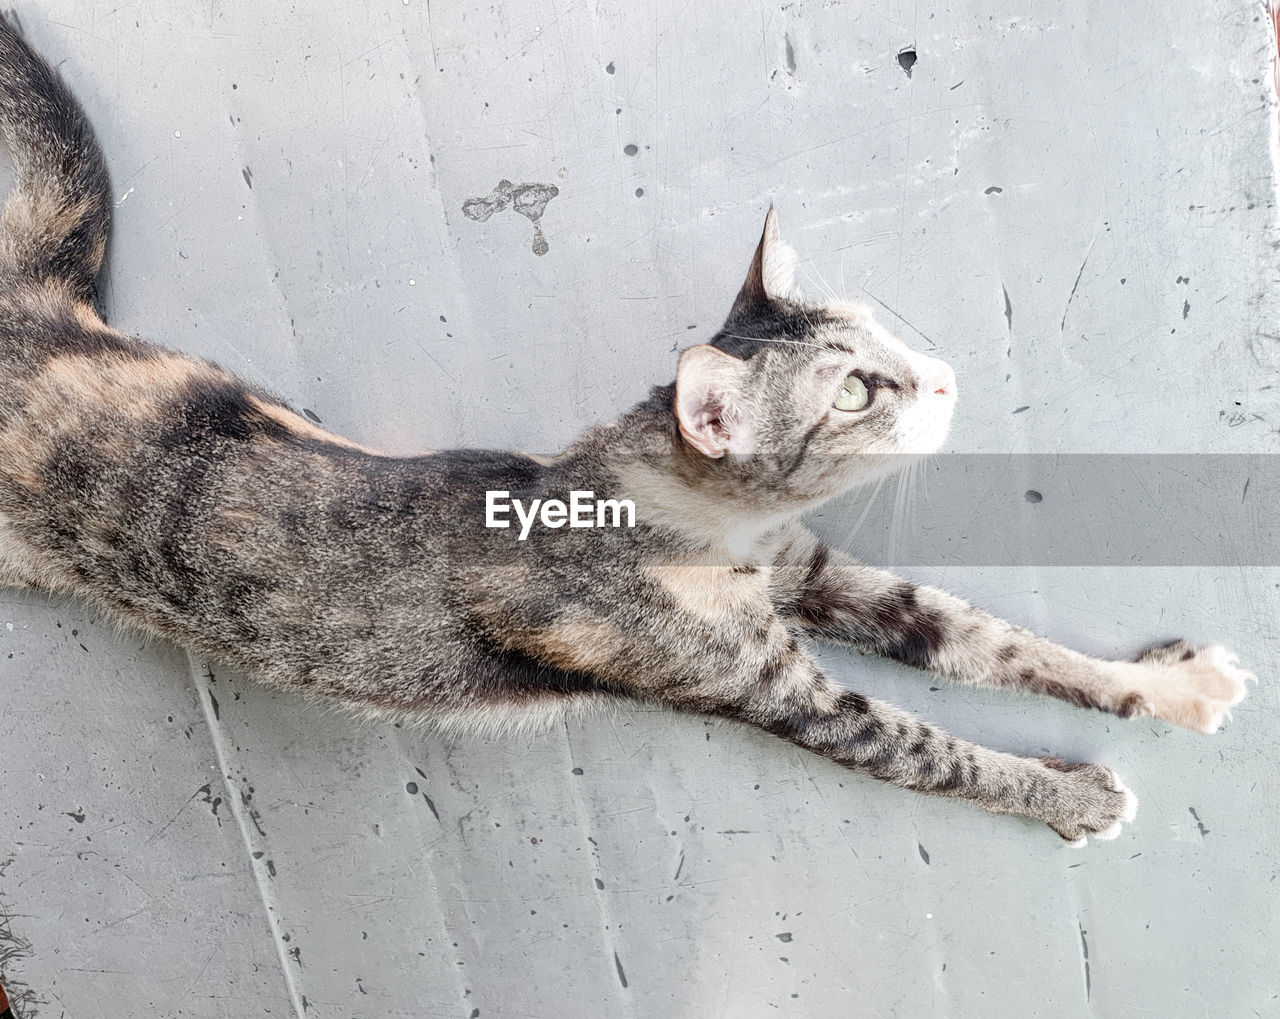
{"points": [[1090, 802], [1190, 686]]}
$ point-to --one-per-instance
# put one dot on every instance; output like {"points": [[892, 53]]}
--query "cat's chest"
{"points": [[731, 597]]}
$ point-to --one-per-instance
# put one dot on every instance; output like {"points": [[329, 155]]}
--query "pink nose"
{"points": [[941, 381]]}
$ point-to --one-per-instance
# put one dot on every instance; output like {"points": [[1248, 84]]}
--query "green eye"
{"points": [[853, 394]]}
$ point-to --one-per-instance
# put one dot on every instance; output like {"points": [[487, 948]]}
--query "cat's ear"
{"points": [[772, 276], [710, 404]]}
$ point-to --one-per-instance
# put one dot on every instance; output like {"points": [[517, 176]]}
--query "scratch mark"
{"points": [[168, 824], [127, 916], [431, 30], [928, 339], [243, 815], [679, 867], [1245, 493], [1084, 948], [622, 976], [1008, 307], [1076, 285]]}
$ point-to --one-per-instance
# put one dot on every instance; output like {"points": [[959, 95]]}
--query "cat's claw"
{"points": [[1190, 686]]}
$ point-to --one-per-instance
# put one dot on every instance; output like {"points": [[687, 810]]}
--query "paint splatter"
{"points": [[528, 200]]}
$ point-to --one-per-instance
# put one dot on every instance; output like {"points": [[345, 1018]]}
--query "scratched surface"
{"points": [[1075, 208]]}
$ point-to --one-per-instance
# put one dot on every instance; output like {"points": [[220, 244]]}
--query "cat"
{"points": [[192, 505]]}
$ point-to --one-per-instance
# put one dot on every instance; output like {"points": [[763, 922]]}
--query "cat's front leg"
{"points": [[792, 699], [827, 594]]}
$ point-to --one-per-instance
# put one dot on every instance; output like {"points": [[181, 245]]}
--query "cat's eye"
{"points": [[853, 394]]}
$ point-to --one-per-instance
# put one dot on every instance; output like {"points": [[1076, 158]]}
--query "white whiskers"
{"points": [[910, 479], [774, 339]]}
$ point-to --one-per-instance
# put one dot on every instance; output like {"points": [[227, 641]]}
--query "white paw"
{"points": [[1193, 687], [1095, 803], [1128, 811]]}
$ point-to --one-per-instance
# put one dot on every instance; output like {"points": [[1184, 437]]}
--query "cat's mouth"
{"points": [[922, 429]]}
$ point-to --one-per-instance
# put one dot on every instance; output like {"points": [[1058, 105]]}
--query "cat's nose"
{"points": [[939, 379]]}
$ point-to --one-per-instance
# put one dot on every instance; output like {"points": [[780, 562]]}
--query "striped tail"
{"points": [[54, 225]]}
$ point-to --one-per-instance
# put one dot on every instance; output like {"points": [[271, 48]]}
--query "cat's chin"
{"points": [[925, 434], [868, 470], [925, 445]]}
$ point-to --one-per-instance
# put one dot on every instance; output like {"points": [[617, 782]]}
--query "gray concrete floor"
{"points": [[290, 183]]}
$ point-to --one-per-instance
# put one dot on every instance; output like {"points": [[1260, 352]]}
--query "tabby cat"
{"points": [[192, 505]]}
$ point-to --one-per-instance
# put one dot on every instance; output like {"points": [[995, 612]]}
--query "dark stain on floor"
{"points": [[528, 200]]}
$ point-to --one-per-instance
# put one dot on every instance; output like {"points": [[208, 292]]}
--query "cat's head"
{"points": [[807, 399]]}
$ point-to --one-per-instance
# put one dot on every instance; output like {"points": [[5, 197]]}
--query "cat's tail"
{"points": [[54, 225]]}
